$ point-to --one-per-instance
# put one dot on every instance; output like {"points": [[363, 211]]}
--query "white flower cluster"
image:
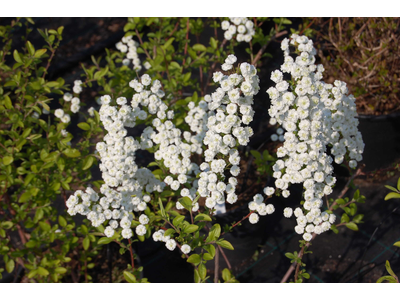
{"points": [[129, 46], [315, 116], [59, 113], [119, 170], [230, 107], [278, 136], [242, 27], [170, 243], [259, 208]]}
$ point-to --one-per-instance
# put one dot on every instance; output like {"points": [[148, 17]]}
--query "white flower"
{"points": [[141, 229], [59, 113], [253, 219], [185, 248], [126, 233], [307, 236], [287, 212], [170, 244], [143, 219]]}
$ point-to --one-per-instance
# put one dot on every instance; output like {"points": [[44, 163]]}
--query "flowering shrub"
{"points": [[195, 142]]}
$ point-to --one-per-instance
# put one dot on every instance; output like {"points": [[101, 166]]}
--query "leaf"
{"points": [[177, 220], [202, 217], [226, 274], [72, 152], [7, 224], [389, 269], [87, 163], [16, 56], [345, 218], [199, 47], [207, 256], [168, 43], [191, 228], [7, 160], [289, 255], [25, 196], [62, 221], [42, 271], [186, 203], [398, 184], [86, 243], [202, 271], [392, 195], [60, 270], [10, 266], [225, 244], [30, 47], [390, 279], [104, 241], [213, 43], [196, 276], [194, 259], [397, 244], [256, 154], [391, 188], [40, 52], [84, 126], [161, 208], [352, 226]]}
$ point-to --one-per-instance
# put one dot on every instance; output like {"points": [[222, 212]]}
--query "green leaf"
{"points": [[42, 271], [62, 221], [352, 226], [390, 279], [397, 244], [256, 154], [72, 152], [199, 47], [24, 197], [84, 126], [104, 241], [202, 271], [177, 220], [202, 217], [213, 43], [168, 43], [191, 228], [392, 195], [225, 244], [398, 184], [196, 276], [169, 231], [30, 47], [7, 160], [7, 224], [391, 188], [345, 218], [40, 52], [194, 259], [226, 274], [87, 163], [60, 270], [186, 203], [16, 56], [289, 255], [207, 256], [161, 208], [358, 218], [10, 265], [389, 269], [129, 277], [86, 243]]}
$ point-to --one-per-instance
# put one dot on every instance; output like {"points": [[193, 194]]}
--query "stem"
{"points": [[141, 43], [216, 265], [224, 256], [131, 251], [261, 51]]}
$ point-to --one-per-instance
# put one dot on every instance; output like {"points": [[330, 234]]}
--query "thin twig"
{"points": [[216, 265]]}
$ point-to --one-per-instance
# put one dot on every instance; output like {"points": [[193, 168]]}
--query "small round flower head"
{"points": [[109, 231], [170, 244], [126, 233], [253, 219], [185, 248], [269, 191], [307, 236], [141, 229], [59, 113], [287, 212], [143, 219]]}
